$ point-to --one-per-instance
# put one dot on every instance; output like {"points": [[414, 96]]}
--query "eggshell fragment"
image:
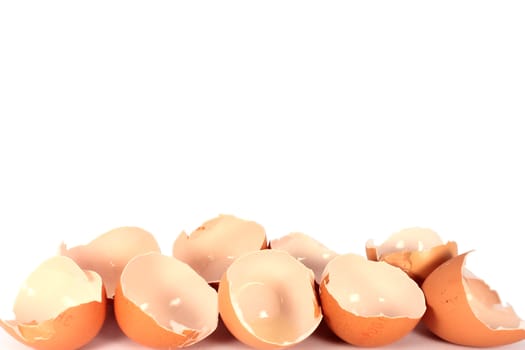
{"points": [[369, 303], [267, 300], [59, 307], [417, 251], [212, 247], [162, 302], [462, 309], [110, 252], [307, 250]]}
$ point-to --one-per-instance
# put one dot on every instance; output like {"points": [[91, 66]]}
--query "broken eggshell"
{"points": [[267, 300], [59, 307], [162, 302], [417, 251], [307, 250], [212, 247], [368, 303], [110, 252], [462, 309]]}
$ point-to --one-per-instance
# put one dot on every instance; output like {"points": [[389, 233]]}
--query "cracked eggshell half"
{"points": [[212, 247], [417, 251], [162, 302], [59, 307], [267, 300], [110, 252], [462, 309], [368, 303], [307, 250]]}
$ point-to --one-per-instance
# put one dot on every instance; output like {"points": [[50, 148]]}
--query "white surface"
{"points": [[345, 121]]}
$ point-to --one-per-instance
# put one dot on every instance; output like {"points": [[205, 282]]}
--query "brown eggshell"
{"points": [[369, 303], [366, 330], [234, 324], [212, 247], [417, 251], [73, 327], [110, 252], [452, 317], [267, 300], [419, 265], [162, 303], [307, 250], [143, 329]]}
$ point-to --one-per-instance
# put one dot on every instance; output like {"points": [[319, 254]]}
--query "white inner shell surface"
{"points": [[111, 251], [410, 239], [55, 286], [486, 304], [211, 248], [369, 288], [172, 293], [273, 296], [307, 250]]}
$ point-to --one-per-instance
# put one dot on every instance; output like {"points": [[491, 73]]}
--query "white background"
{"points": [[346, 121]]}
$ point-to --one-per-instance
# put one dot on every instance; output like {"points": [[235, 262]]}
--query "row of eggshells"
{"points": [[267, 298]]}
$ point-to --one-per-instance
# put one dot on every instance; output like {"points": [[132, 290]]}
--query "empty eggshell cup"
{"points": [[462, 309], [417, 251], [307, 250], [213, 246], [267, 300], [368, 303], [110, 252], [59, 307], [162, 302]]}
